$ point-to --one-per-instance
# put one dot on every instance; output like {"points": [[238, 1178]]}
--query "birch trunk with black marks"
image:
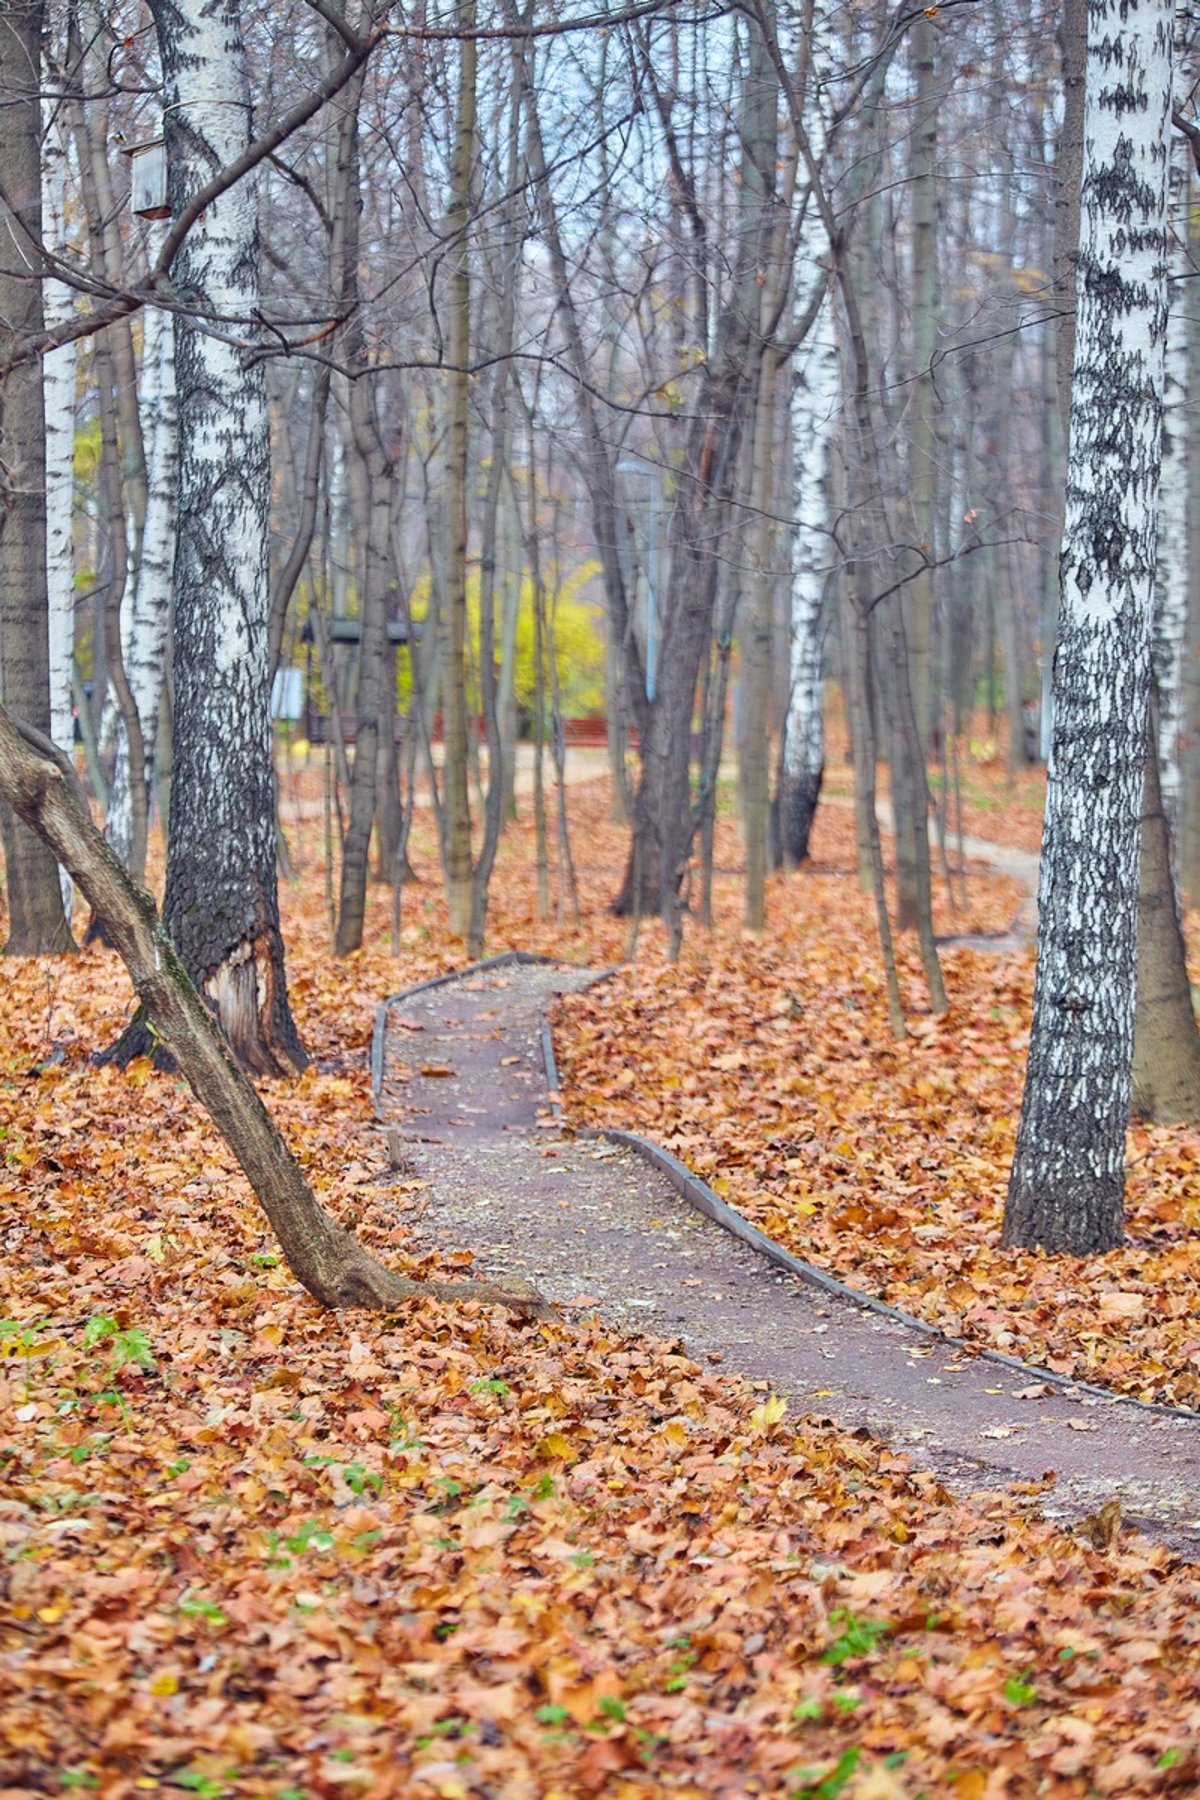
{"points": [[504, 281], [923, 447], [755, 637], [58, 391], [814, 405], [1171, 598], [149, 602], [221, 906], [37, 922], [1066, 1191], [1188, 847]]}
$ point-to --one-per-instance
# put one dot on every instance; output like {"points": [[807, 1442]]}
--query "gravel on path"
{"points": [[461, 1087]]}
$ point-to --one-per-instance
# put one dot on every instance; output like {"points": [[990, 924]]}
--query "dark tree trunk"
{"points": [[664, 824], [37, 923], [1166, 1044]]}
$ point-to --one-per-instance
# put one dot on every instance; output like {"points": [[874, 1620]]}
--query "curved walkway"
{"points": [[460, 1083]]}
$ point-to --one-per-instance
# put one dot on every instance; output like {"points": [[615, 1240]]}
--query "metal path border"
{"points": [[705, 1201], [507, 959], [690, 1187]]}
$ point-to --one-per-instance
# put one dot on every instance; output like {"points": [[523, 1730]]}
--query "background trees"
{"points": [[543, 311]]}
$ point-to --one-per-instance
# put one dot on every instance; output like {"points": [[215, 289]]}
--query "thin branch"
{"points": [[132, 299]]}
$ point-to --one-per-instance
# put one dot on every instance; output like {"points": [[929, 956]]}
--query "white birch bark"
{"points": [[145, 641], [814, 408], [1171, 598], [814, 405], [58, 396], [1067, 1187], [58, 389], [221, 903]]}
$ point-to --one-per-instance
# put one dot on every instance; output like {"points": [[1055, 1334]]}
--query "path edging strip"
{"points": [[507, 959], [697, 1193], [692, 1188]]}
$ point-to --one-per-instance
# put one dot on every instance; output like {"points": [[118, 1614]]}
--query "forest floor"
{"points": [[250, 1549]]}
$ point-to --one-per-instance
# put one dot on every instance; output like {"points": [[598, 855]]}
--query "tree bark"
{"points": [[221, 905], [923, 447], [1166, 1044], [58, 386], [504, 282], [664, 822], [370, 477], [755, 635], [146, 653], [454, 615], [37, 922], [803, 766], [1066, 1192]]}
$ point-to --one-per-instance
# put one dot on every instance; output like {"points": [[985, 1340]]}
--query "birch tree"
{"points": [[145, 646], [1066, 1191], [58, 390], [221, 906], [813, 419]]}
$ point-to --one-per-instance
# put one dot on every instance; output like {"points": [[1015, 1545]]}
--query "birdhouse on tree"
{"points": [[148, 170]]}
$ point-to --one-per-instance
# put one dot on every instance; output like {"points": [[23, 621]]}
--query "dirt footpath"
{"points": [[460, 1082]]}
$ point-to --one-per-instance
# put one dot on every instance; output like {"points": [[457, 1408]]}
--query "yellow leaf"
{"points": [[971, 1786], [163, 1686], [880, 1784], [50, 1615], [553, 1447], [768, 1414]]}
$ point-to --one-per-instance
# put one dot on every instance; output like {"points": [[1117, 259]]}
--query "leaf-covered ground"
{"points": [[247, 1548], [769, 1068]]}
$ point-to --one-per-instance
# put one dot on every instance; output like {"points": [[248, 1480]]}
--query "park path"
{"points": [[461, 1087]]}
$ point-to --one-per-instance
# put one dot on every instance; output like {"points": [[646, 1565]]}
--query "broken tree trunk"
{"points": [[40, 786]]}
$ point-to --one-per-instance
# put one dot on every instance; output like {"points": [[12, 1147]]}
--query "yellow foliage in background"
{"points": [[578, 637]]}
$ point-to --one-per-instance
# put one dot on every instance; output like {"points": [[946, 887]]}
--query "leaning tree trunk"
{"points": [[37, 922], [40, 784], [221, 905], [1066, 1191]]}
